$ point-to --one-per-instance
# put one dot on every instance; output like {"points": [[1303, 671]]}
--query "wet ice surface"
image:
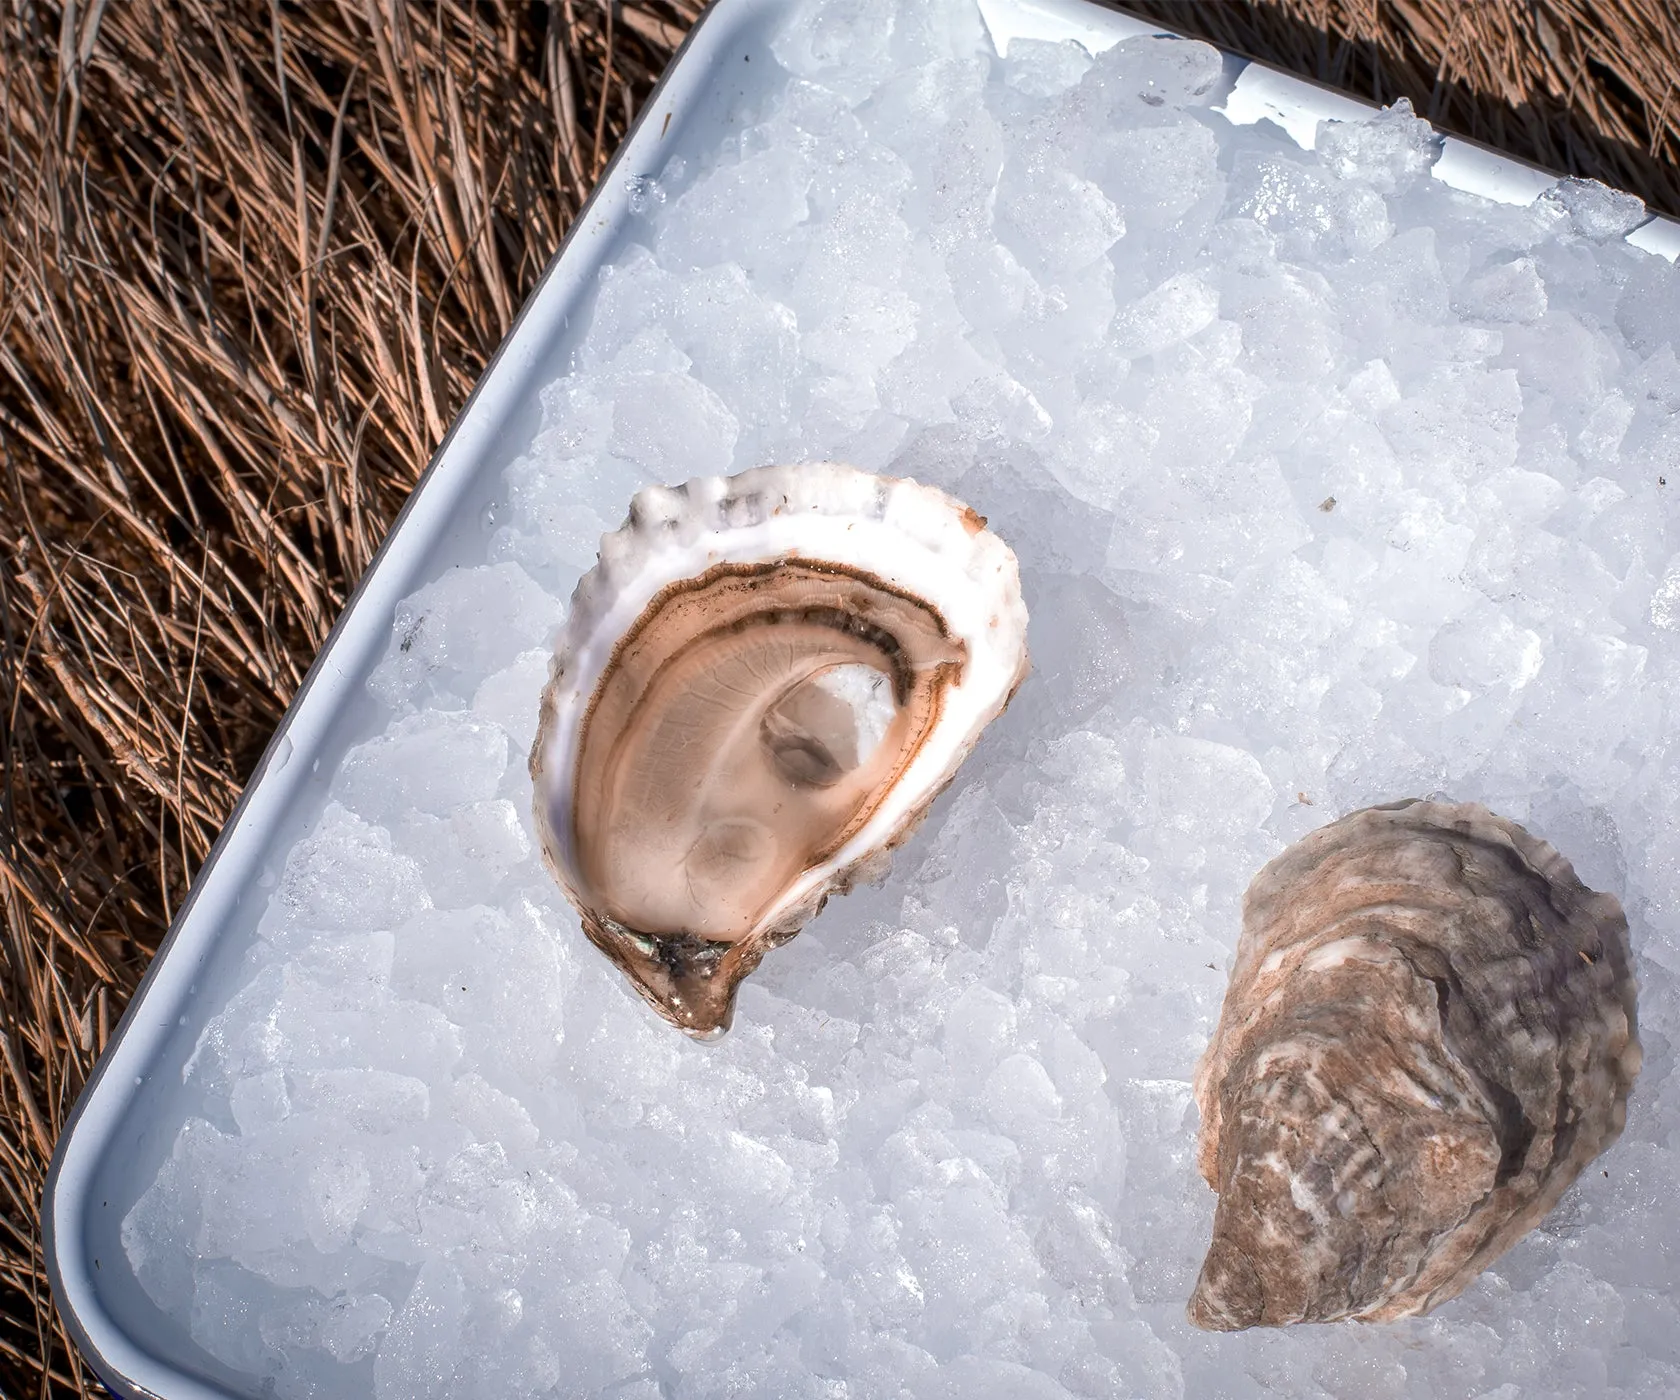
{"points": [[1330, 486]]}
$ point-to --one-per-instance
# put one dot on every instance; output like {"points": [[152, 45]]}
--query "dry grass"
{"points": [[252, 258]]}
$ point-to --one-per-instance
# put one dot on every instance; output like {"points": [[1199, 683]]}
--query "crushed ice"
{"points": [[1330, 484]]}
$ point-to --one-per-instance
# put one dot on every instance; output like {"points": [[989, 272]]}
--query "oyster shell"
{"points": [[1429, 1031], [761, 686]]}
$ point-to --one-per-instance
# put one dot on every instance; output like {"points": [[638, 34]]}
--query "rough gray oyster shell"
{"points": [[1429, 1031]]}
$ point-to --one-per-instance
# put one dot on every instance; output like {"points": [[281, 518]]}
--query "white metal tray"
{"points": [[121, 1129]]}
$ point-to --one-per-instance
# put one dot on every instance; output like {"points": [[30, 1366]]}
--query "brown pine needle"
{"points": [[252, 260]]}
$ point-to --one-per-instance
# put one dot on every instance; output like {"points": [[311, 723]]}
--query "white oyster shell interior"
{"points": [[762, 685]]}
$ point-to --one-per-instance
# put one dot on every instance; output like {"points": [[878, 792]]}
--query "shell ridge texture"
{"points": [[1429, 1031]]}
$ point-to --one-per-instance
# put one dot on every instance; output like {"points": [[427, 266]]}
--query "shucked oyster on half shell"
{"points": [[1429, 1031], [761, 686]]}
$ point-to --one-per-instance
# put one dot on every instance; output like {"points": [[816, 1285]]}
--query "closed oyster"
{"points": [[1429, 1031], [761, 686]]}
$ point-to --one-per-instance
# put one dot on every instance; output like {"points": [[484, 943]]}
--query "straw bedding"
{"points": [[252, 258]]}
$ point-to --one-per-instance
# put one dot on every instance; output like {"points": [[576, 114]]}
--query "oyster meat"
{"points": [[1429, 1031], [761, 686]]}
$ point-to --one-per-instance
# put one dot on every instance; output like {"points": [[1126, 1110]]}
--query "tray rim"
{"points": [[1258, 92], [99, 1109]]}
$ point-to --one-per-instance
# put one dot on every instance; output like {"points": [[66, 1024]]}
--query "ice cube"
{"points": [[1157, 175], [1648, 310], [989, 283], [1311, 216], [845, 45], [1055, 221], [433, 762], [633, 294], [1509, 291], [1154, 72], [1483, 649], [497, 976], [512, 696], [420, 1356], [1084, 659], [370, 1101], [468, 622], [466, 854], [745, 348], [1232, 794], [1290, 333], [345, 875], [226, 1305], [1594, 210], [1665, 600], [1041, 68], [337, 1186], [703, 227], [347, 1327], [861, 341], [1172, 312], [1019, 1097], [672, 426], [260, 1101], [1390, 151], [161, 1231], [603, 1336]]}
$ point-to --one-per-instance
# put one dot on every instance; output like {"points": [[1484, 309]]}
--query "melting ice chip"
{"points": [[763, 684]]}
